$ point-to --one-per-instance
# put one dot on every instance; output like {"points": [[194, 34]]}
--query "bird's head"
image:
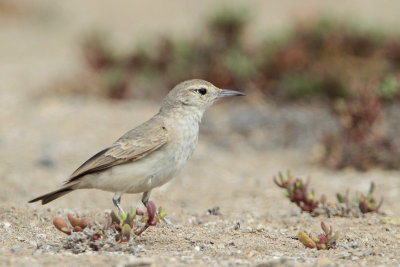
{"points": [[196, 94]]}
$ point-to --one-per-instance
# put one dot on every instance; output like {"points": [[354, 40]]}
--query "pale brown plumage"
{"points": [[132, 146], [151, 154]]}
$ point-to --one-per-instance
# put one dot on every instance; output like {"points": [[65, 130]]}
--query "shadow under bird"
{"points": [[149, 155]]}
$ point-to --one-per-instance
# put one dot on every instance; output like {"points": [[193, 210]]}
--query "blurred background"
{"points": [[322, 78]]}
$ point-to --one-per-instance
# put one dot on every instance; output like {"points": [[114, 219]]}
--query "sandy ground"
{"points": [[243, 143]]}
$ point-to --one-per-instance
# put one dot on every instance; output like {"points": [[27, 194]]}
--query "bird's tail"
{"points": [[54, 195]]}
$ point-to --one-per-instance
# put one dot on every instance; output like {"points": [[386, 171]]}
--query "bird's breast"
{"points": [[171, 158], [183, 140]]}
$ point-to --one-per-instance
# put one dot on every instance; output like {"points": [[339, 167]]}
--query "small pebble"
{"points": [[210, 224], [354, 245], [41, 236], [17, 247], [203, 246], [345, 255], [5, 225]]}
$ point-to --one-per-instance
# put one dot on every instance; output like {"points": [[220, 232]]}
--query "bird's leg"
{"points": [[117, 200], [146, 197]]}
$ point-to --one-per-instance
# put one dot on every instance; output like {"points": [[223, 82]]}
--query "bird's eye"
{"points": [[202, 91]]}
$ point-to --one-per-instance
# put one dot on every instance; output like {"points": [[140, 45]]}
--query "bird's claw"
{"points": [[169, 223]]}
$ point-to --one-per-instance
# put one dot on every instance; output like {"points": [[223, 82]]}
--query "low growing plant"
{"points": [[121, 225], [326, 240], [366, 203], [297, 191]]}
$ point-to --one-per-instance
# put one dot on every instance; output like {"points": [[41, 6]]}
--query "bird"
{"points": [[151, 154]]}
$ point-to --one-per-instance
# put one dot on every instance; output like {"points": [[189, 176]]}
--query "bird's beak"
{"points": [[226, 93]]}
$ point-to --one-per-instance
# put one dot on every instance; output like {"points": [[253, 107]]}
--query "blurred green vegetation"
{"points": [[316, 59], [360, 143], [352, 70]]}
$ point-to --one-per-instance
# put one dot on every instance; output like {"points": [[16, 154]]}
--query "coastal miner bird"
{"points": [[151, 154]]}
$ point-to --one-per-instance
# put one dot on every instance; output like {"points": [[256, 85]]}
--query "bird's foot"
{"points": [[169, 223]]}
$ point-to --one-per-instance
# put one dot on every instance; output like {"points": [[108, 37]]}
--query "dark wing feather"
{"points": [[132, 146]]}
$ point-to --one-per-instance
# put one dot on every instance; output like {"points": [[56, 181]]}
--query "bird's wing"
{"points": [[132, 146]]}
